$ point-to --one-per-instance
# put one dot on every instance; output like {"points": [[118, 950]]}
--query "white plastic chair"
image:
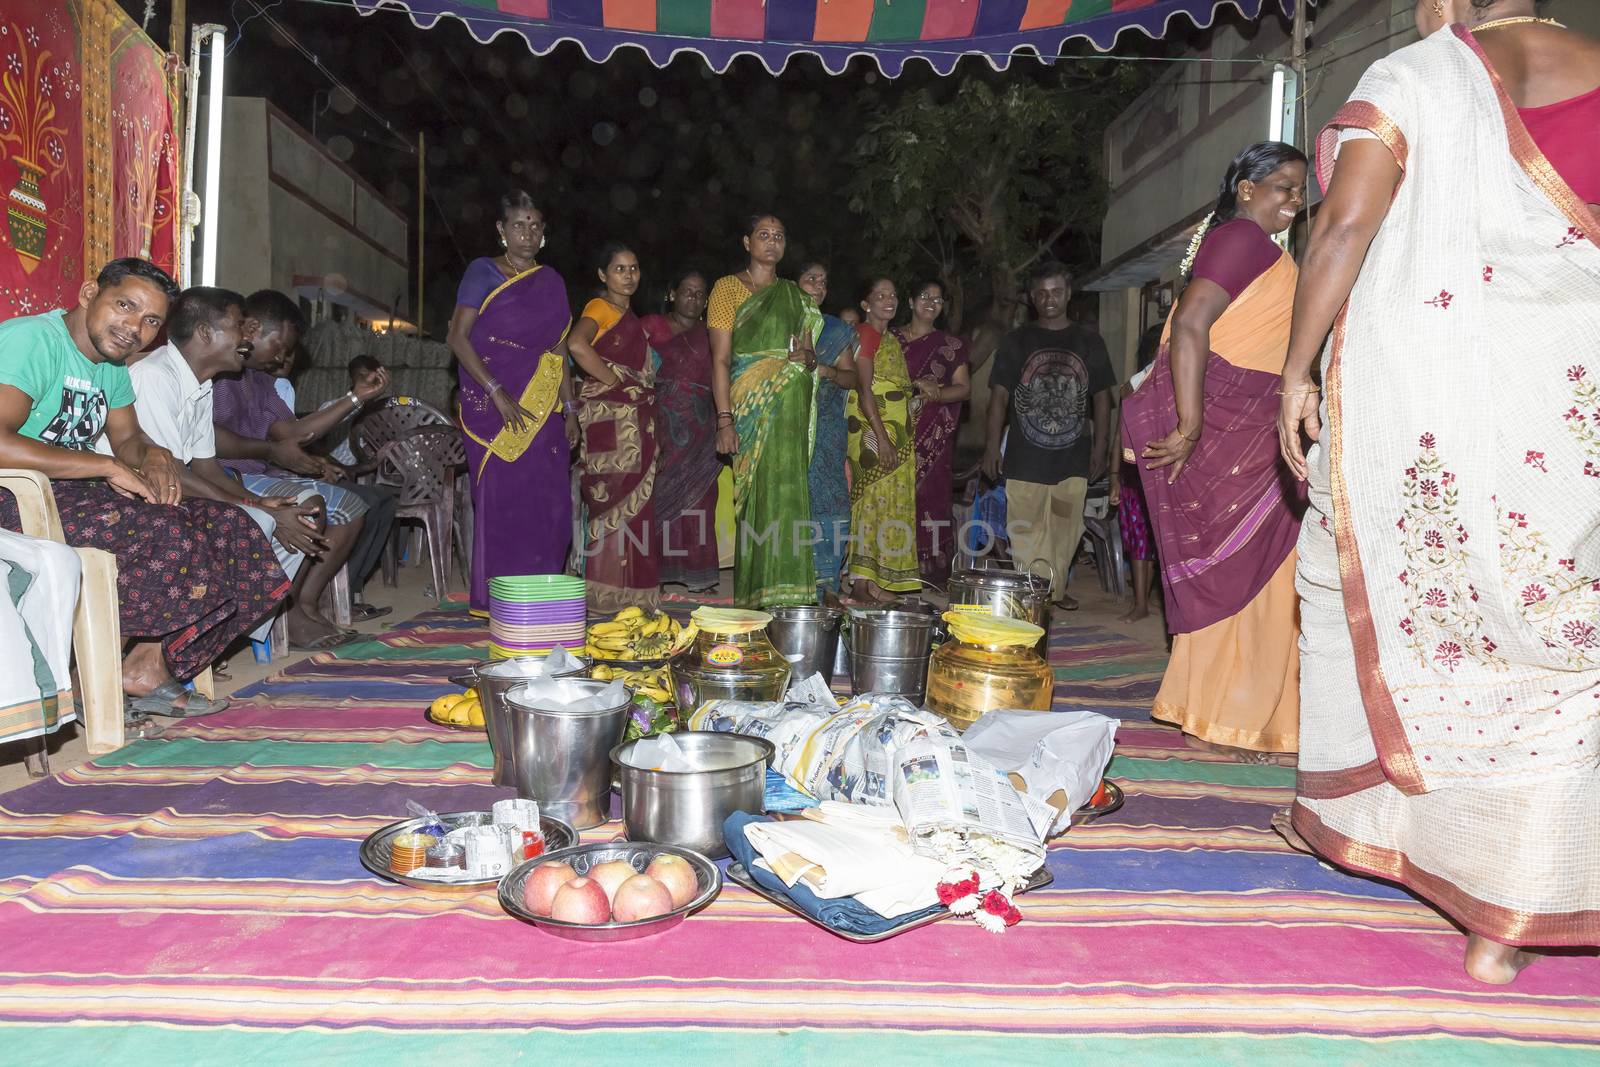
{"points": [[96, 625]]}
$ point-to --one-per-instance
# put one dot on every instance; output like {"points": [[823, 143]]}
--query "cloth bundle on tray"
{"points": [[847, 914]]}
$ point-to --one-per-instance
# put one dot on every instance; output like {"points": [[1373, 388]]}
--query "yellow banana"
{"points": [[632, 611], [607, 629]]}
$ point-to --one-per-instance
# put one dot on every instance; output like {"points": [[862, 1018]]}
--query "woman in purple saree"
{"points": [[509, 336]]}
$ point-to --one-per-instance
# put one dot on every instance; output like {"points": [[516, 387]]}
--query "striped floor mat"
{"points": [[197, 899]]}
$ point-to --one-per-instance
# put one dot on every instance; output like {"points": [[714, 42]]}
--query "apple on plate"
{"points": [[677, 874], [539, 891], [611, 874], [582, 901], [640, 897]]}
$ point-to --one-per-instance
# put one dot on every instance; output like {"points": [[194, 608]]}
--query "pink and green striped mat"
{"points": [[197, 899]]}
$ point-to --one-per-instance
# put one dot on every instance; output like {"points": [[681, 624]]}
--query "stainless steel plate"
{"points": [[584, 857], [375, 850], [1090, 812]]}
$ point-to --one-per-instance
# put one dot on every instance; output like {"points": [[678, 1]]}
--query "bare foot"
{"points": [[1493, 963], [304, 628], [1243, 755], [1284, 828], [1135, 613]]}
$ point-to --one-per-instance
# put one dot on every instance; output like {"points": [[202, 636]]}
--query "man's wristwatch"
{"points": [[355, 401]]}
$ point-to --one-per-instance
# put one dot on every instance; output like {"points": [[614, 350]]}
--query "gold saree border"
{"points": [[1527, 153], [1399, 763], [1331, 785], [1361, 115], [1508, 926]]}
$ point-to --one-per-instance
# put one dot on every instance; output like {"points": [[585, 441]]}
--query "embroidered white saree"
{"points": [[1450, 562]]}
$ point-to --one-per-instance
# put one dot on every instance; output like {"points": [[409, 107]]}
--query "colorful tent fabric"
{"points": [[939, 32], [197, 899]]}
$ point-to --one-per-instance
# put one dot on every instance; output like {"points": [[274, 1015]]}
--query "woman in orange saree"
{"points": [[1225, 513]]}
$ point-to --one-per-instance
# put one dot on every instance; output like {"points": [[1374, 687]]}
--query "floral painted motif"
{"points": [[1561, 605], [1583, 418], [1443, 623], [1573, 236], [1442, 301]]}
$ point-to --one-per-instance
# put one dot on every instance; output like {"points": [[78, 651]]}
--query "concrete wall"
{"points": [[291, 210], [1165, 155]]}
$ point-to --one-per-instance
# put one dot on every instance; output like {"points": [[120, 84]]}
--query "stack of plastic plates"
{"points": [[531, 614]]}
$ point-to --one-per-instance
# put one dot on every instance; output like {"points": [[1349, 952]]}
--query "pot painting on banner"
{"points": [[144, 159], [41, 156]]}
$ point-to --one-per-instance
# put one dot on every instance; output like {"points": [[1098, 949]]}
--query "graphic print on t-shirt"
{"points": [[1052, 398], [81, 417]]}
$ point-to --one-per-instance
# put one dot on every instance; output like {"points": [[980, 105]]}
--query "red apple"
{"points": [[582, 901], [612, 874], [540, 888], [640, 897], [677, 874]]}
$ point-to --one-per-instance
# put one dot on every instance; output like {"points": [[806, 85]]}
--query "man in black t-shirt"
{"points": [[1051, 383]]}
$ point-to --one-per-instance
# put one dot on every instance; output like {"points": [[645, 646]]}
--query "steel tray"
{"points": [[376, 848]]}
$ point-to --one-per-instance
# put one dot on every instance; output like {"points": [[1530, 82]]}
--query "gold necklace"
{"points": [[1516, 20]]}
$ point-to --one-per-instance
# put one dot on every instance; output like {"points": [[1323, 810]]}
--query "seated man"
{"points": [[366, 374], [192, 575], [172, 390], [258, 438]]}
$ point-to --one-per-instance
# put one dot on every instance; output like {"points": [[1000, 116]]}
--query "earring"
{"points": [[541, 241], [1438, 9], [503, 241]]}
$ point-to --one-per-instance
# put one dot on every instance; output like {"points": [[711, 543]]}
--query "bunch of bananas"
{"points": [[653, 684], [634, 634], [457, 709]]}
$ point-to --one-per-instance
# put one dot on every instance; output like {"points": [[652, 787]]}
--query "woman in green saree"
{"points": [[763, 378]]}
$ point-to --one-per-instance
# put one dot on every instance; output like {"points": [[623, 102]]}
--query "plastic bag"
{"points": [[431, 823], [659, 753], [1059, 756], [570, 695]]}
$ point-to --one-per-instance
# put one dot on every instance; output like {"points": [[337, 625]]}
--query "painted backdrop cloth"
{"points": [[1449, 568], [774, 417], [830, 490], [521, 499], [687, 463], [883, 503], [935, 356], [38, 594], [619, 468]]}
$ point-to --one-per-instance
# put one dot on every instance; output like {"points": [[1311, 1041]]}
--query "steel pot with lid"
{"points": [[1005, 592]]}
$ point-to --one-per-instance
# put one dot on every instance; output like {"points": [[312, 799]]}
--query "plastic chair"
{"points": [[96, 624], [422, 466], [388, 422], [1106, 536]]}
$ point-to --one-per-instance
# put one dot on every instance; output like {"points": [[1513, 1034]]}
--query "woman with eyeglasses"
{"points": [[937, 363]]}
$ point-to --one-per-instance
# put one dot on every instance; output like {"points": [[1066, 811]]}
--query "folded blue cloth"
{"points": [[843, 913], [781, 796]]}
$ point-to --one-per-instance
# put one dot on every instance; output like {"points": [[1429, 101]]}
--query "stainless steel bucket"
{"points": [[494, 680], [563, 757], [889, 651], [688, 808], [808, 637]]}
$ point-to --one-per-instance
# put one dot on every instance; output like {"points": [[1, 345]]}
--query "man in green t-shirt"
{"points": [[193, 575]]}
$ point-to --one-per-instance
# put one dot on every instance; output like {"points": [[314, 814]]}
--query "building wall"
{"points": [[290, 210], [1165, 155]]}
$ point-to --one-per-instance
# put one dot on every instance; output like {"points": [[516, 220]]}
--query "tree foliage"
{"points": [[977, 182]]}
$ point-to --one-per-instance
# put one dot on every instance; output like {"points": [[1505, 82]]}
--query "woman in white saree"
{"points": [[1450, 561]]}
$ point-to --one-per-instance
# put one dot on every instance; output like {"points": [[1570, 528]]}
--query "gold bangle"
{"points": [[1309, 390]]}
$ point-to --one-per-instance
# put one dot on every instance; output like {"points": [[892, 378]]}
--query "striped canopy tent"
{"points": [[891, 32]]}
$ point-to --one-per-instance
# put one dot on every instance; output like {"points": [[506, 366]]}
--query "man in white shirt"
{"points": [[172, 398]]}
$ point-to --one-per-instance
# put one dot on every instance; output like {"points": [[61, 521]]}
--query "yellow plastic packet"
{"points": [[974, 628], [729, 620]]}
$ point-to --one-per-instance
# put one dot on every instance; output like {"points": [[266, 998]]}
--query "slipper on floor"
{"points": [[163, 701], [368, 612], [327, 642]]}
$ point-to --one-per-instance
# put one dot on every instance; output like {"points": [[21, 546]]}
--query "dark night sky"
{"points": [[669, 160]]}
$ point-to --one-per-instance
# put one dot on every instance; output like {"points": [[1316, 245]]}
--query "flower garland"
{"points": [[1194, 244], [962, 892]]}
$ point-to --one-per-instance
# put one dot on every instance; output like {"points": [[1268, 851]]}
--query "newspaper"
{"points": [[963, 810]]}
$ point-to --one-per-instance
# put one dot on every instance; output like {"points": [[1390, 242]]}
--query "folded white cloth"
{"points": [[844, 850]]}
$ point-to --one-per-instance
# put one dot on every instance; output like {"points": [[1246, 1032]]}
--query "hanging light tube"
{"points": [[211, 207]]}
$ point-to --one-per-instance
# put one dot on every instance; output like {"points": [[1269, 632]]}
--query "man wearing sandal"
{"points": [[192, 575], [259, 439], [172, 397]]}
